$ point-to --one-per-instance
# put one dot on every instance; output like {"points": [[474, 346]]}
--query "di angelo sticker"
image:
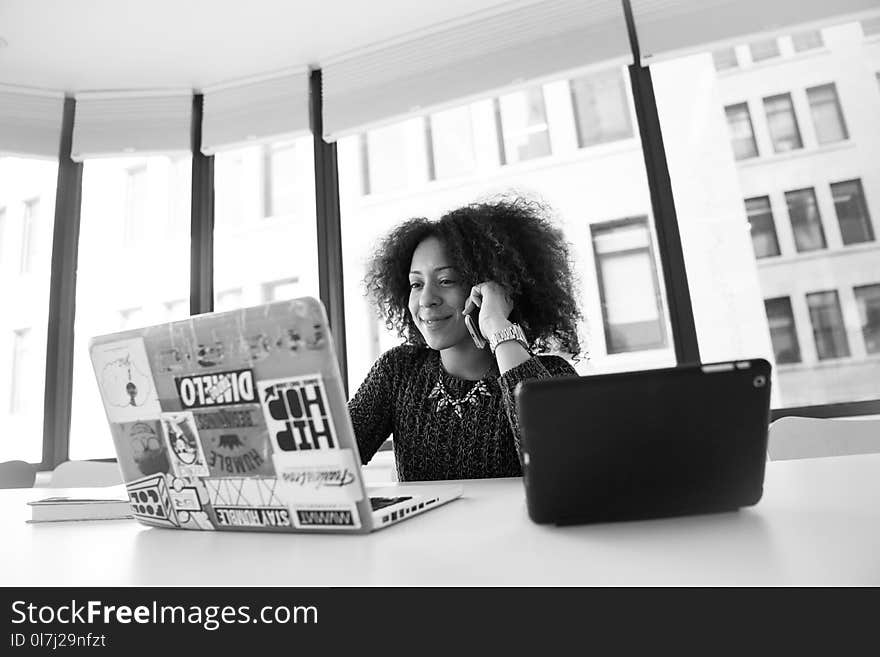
{"points": [[184, 449], [319, 476], [297, 414]]}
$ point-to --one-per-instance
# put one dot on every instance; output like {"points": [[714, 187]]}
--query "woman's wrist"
{"points": [[492, 326]]}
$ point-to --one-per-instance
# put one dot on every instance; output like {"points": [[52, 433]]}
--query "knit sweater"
{"points": [[431, 441]]}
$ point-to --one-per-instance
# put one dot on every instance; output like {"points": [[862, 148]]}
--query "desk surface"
{"points": [[817, 524]]}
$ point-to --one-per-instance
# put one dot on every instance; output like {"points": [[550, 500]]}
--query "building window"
{"points": [[827, 114], [868, 302], [601, 110], [764, 49], [131, 318], [805, 220], [450, 139], [761, 227], [742, 135], [228, 300], [279, 178], [364, 153], [632, 309], [852, 212], [287, 288], [524, 125], [22, 372], [783, 333], [30, 237], [136, 195], [388, 157], [809, 40], [782, 123], [871, 26], [829, 330], [724, 59]]}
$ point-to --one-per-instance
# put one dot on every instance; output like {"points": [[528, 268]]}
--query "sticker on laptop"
{"points": [[184, 448], [325, 516], [240, 503], [319, 475], [151, 502], [217, 389], [126, 381], [235, 441], [140, 448], [297, 414]]}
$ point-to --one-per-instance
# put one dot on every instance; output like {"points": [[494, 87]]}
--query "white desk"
{"points": [[818, 524]]}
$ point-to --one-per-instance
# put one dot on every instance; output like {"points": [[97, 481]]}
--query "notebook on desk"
{"points": [[655, 443], [238, 421]]}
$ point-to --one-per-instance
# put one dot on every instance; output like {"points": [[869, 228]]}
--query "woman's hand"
{"points": [[495, 306]]}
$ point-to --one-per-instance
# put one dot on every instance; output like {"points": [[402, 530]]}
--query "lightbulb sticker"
{"points": [[126, 381]]}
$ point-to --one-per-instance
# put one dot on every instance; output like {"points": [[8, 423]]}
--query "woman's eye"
{"points": [[447, 282], [414, 285]]}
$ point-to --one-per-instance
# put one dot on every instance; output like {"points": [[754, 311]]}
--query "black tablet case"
{"points": [[635, 445]]}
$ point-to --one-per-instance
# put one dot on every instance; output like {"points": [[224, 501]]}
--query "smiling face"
{"points": [[437, 296]]}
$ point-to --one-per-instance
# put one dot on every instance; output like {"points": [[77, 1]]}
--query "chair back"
{"points": [[17, 474], [806, 437], [85, 474]]}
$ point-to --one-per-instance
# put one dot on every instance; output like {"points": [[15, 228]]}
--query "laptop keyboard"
{"points": [[381, 502]]}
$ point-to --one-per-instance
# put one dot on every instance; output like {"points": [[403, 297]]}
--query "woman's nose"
{"points": [[428, 297]]}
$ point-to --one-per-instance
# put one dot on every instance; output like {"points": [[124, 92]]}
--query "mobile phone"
{"points": [[472, 321]]}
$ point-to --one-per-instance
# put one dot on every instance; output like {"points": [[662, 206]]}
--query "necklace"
{"points": [[444, 400]]}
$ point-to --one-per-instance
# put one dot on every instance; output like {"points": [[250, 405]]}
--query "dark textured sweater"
{"points": [[435, 443]]}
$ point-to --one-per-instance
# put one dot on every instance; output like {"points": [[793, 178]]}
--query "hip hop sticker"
{"points": [[297, 414]]}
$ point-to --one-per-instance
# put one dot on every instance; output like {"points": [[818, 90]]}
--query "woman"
{"points": [[448, 402]]}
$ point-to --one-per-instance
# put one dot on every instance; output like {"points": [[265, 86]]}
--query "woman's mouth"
{"points": [[435, 323]]}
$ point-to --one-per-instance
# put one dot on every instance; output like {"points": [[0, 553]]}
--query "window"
{"points": [[22, 372], [805, 220], [631, 307], [31, 235], [742, 136], [852, 212], [396, 157], [735, 283], [809, 40], [724, 59], [829, 330], [270, 194], [764, 49], [600, 108], [868, 302], [761, 226], [132, 259], [27, 201], [279, 290], [136, 198], [279, 178], [783, 333], [871, 26], [450, 138], [827, 115], [782, 123], [524, 125]]}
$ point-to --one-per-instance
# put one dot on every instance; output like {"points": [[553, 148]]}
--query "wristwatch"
{"points": [[512, 332]]}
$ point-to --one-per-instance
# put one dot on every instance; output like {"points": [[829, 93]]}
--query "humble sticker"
{"points": [[219, 389], [297, 414]]}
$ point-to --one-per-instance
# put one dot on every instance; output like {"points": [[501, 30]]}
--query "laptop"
{"points": [[649, 444], [238, 421]]}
